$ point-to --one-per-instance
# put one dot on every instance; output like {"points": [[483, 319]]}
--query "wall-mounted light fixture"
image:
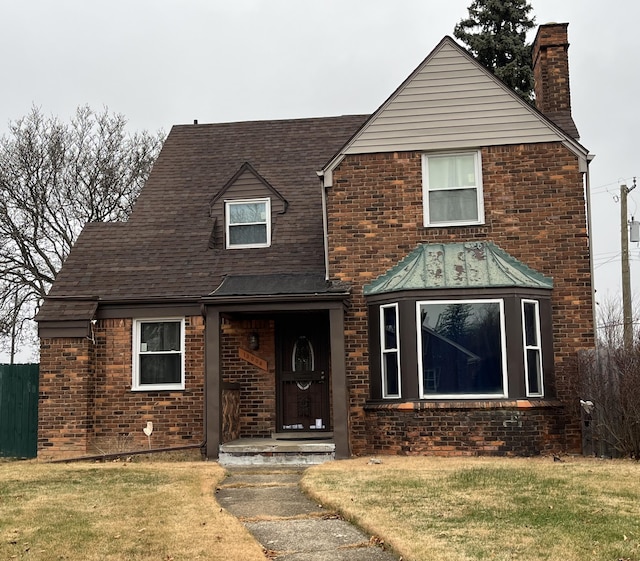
{"points": [[254, 341]]}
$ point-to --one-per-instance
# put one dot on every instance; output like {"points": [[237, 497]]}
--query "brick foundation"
{"points": [[466, 428]]}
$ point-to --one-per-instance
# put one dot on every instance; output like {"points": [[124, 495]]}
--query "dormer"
{"points": [[244, 211]]}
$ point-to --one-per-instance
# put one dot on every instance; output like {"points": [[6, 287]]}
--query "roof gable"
{"points": [[247, 183], [452, 102], [457, 265]]}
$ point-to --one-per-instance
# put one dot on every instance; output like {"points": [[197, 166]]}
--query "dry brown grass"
{"points": [[118, 511], [489, 509]]}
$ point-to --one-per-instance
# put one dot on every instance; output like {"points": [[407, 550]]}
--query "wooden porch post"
{"points": [[339, 383], [213, 384]]}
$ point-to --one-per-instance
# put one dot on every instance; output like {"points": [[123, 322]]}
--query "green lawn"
{"points": [[489, 509], [118, 512], [424, 508]]}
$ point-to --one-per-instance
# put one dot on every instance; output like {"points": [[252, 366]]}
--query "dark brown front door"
{"points": [[303, 373]]}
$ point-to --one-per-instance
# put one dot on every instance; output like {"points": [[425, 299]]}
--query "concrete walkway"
{"points": [[291, 527]]}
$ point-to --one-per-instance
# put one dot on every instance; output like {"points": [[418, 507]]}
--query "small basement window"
{"points": [[158, 355], [248, 223]]}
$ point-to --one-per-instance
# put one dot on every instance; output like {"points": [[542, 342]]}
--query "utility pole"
{"points": [[627, 313]]}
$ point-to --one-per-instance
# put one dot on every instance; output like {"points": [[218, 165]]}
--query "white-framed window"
{"points": [[452, 189], [532, 348], [158, 354], [390, 351], [462, 349], [247, 223]]}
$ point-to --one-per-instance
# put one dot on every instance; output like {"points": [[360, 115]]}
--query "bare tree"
{"points": [[54, 178], [610, 389]]}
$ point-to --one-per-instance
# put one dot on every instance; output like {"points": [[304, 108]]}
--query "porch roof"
{"points": [[457, 265], [277, 284]]}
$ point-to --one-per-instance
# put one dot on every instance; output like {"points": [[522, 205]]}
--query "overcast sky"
{"points": [[166, 62]]}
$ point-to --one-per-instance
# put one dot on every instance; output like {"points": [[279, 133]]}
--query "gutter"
{"points": [[261, 299]]}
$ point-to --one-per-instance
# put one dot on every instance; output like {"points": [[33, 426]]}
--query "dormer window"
{"points": [[248, 223]]}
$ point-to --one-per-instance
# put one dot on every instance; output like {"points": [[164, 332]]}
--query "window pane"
{"points": [[303, 355], [247, 212], [160, 336], [462, 348], [454, 205], [160, 369], [534, 371], [452, 171], [390, 336], [246, 235], [390, 378], [530, 324]]}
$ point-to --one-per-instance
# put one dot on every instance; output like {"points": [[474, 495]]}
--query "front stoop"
{"points": [[270, 451]]}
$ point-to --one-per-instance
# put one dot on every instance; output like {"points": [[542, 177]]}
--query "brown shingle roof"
{"points": [[164, 249]]}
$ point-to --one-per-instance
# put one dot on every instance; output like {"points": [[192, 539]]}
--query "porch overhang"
{"points": [[279, 286], [262, 294]]}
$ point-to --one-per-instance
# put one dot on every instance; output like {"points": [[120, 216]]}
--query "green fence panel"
{"points": [[18, 410]]}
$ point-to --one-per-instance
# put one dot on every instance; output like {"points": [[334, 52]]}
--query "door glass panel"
{"points": [[302, 359]]}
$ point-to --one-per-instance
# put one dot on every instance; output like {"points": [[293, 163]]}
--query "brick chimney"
{"points": [[551, 75]]}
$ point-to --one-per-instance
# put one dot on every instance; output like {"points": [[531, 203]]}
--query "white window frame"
{"points": [[135, 384], [503, 343], [386, 351], [227, 220], [537, 347], [478, 187]]}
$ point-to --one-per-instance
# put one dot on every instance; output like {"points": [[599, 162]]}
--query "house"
{"points": [[415, 281]]}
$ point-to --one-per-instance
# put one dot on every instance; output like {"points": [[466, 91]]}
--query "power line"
{"points": [[605, 187]]}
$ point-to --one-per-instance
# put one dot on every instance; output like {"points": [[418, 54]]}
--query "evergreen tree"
{"points": [[495, 34], [454, 322]]}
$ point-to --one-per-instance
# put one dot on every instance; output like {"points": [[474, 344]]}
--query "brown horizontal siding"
{"points": [[451, 102]]}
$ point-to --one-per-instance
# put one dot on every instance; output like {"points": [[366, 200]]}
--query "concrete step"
{"points": [[270, 451]]}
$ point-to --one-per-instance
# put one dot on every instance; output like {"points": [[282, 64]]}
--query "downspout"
{"points": [[325, 226], [587, 188]]}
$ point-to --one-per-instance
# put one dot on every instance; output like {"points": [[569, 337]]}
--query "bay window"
{"points": [[452, 347]]}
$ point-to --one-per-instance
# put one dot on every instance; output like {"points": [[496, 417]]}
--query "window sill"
{"points": [[531, 403], [174, 388]]}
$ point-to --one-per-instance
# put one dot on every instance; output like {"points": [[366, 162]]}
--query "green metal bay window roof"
{"points": [[457, 265]]}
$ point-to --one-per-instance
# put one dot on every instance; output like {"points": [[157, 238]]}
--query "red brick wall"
{"points": [[466, 429], [99, 399], [120, 414], [257, 386], [534, 210], [66, 389]]}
